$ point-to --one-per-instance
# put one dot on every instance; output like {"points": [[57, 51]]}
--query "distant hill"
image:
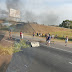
{"points": [[47, 29], [30, 28]]}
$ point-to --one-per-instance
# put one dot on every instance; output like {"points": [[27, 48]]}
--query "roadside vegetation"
{"points": [[18, 45], [66, 24], [6, 50], [62, 35], [15, 48]]}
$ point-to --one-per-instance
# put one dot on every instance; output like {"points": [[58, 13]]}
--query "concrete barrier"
{"points": [[33, 44]]}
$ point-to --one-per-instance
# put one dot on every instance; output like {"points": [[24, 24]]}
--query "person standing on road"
{"points": [[46, 37], [66, 40], [37, 34], [10, 36], [33, 34], [21, 35]]}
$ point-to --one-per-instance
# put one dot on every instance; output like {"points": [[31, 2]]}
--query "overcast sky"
{"points": [[61, 8]]}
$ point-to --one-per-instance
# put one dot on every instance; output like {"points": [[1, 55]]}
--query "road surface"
{"points": [[41, 59]]}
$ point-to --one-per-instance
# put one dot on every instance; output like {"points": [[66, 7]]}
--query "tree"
{"points": [[66, 24]]}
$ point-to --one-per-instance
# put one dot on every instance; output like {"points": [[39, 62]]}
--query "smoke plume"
{"points": [[29, 16], [3, 14], [15, 4], [48, 19], [44, 18]]}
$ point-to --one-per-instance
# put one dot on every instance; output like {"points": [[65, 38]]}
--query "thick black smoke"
{"points": [[15, 4], [29, 16]]}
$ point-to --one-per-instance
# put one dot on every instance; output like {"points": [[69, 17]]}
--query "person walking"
{"points": [[48, 40], [66, 40]]}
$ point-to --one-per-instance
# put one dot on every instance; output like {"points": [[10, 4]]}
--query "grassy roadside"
{"points": [[63, 33], [6, 50], [15, 48]]}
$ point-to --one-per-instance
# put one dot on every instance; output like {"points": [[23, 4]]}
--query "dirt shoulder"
{"points": [[5, 48]]}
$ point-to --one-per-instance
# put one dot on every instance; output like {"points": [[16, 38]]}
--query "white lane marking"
{"points": [[70, 62], [58, 48], [62, 50]]}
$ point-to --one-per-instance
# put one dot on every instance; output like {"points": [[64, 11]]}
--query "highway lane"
{"points": [[41, 59]]}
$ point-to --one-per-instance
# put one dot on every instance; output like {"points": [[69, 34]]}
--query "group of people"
{"points": [[41, 34], [44, 35], [10, 35], [48, 37], [48, 40]]}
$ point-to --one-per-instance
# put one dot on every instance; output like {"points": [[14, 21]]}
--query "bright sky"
{"points": [[61, 8]]}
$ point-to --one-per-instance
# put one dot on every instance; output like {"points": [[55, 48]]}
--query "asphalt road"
{"points": [[41, 59]]}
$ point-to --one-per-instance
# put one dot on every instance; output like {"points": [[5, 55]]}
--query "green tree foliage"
{"points": [[66, 24]]}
